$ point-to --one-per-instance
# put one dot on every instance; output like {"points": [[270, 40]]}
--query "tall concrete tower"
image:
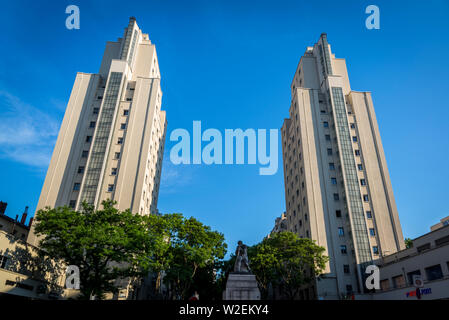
{"points": [[111, 141], [337, 187]]}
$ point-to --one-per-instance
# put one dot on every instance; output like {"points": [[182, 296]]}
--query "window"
{"points": [[357, 152], [88, 138], [341, 231], [92, 124], [365, 198], [76, 187], [305, 217], [334, 180], [338, 213], [372, 232], [323, 111], [352, 125], [3, 261], [434, 272], [329, 151], [72, 204], [343, 249], [80, 169], [129, 99], [326, 124], [369, 215], [125, 112], [346, 268], [354, 139], [328, 137], [384, 284], [398, 281], [120, 140], [336, 197], [85, 154], [411, 274], [96, 110], [100, 97], [363, 182], [114, 171], [441, 241], [117, 155], [375, 250], [123, 126], [360, 167], [331, 166], [110, 188], [423, 247], [348, 288]]}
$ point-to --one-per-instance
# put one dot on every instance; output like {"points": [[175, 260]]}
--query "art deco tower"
{"points": [[111, 140], [337, 187]]}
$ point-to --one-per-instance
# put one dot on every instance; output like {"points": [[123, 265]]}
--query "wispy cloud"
{"points": [[27, 134], [174, 177]]}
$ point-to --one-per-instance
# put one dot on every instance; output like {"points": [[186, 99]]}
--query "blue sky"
{"points": [[230, 65]]}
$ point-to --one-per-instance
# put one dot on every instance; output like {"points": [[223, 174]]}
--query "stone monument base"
{"points": [[241, 286]]}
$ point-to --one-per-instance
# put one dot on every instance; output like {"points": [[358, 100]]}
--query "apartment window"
{"points": [[117, 155], [441, 241], [357, 152], [331, 166], [129, 99], [346, 268], [305, 217], [92, 124], [336, 197], [354, 139], [398, 281], [123, 126], [423, 247], [72, 204], [125, 112], [329, 151], [120, 140], [80, 169], [328, 137], [3, 261], [300, 222], [110, 187], [372, 232], [384, 284], [334, 180], [85, 154], [114, 171], [365, 198], [343, 249], [375, 250], [88, 138], [338, 213], [341, 231], [360, 167], [76, 187], [352, 125], [434, 272], [363, 182], [326, 124], [307, 234], [100, 97], [411, 274], [369, 215], [96, 110]]}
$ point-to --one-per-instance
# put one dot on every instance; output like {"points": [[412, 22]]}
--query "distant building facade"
{"points": [[280, 224], [443, 222]]}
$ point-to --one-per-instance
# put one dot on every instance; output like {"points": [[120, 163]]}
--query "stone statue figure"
{"points": [[241, 261]]}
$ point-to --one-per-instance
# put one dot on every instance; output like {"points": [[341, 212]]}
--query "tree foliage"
{"points": [[106, 244], [287, 262]]}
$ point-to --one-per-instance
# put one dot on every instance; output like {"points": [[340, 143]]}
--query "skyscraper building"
{"points": [[337, 186], [111, 141]]}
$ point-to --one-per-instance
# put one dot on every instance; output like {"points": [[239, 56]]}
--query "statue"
{"points": [[241, 257]]}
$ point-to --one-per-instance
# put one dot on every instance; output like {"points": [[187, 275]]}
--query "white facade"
{"points": [[111, 141], [337, 186]]}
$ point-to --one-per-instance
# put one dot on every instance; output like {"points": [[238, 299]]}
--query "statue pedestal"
{"points": [[241, 286]]}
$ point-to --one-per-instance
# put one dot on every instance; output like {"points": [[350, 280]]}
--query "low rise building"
{"points": [[425, 263]]}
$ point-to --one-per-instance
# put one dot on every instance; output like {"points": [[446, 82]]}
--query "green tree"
{"points": [[287, 262], [105, 244], [408, 243], [193, 246]]}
